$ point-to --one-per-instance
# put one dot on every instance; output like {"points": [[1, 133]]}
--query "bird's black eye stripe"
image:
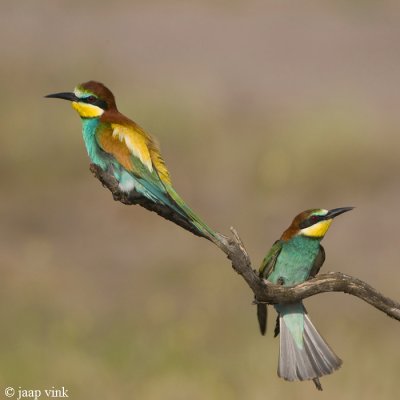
{"points": [[89, 99], [311, 221], [95, 101], [102, 104]]}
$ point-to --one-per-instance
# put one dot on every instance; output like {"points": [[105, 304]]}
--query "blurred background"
{"points": [[263, 109]]}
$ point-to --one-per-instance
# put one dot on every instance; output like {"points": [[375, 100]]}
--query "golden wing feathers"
{"points": [[130, 144]]}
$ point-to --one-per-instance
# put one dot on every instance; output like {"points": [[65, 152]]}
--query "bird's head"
{"points": [[313, 223], [91, 99]]}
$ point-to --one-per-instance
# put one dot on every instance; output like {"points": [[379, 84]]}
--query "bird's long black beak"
{"points": [[337, 211], [65, 96]]}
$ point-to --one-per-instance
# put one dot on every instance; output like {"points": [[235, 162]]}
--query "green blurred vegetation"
{"points": [[263, 109]]}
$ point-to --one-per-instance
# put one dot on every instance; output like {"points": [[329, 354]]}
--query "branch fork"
{"points": [[264, 291]]}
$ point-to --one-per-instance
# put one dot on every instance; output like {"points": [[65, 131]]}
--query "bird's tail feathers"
{"points": [[166, 195], [155, 194], [311, 360], [262, 316], [189, 214]]}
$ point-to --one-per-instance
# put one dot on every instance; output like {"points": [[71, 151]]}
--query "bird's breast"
{"points": [[295, 261], [96, 155]]}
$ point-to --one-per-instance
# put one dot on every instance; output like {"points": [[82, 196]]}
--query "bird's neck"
{"points": [[302, 243], [89, 129]]}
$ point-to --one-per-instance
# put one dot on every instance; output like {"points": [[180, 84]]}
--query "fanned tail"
{"points": [[304, 354]]}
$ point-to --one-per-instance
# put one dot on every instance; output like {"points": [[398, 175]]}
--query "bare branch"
{"points": [[264, 291]]}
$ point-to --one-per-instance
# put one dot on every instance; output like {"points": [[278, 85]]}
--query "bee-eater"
{"points": [[118, 145], [294, 258]]}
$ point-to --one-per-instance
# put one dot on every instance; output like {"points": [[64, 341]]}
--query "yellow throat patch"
{"points": [[87, 110], [317, 230]]}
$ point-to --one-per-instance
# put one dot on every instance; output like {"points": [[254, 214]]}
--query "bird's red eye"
{"points": [[91, 99]]}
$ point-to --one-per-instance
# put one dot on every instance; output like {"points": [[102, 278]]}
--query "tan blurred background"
{"points": [[263, 109]]}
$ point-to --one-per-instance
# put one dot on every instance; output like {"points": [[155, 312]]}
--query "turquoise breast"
{"points": [[96, 155], [295, 260]]}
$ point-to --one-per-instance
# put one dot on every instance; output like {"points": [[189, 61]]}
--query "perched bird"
{"points": [[118, 145], [294, 258]]}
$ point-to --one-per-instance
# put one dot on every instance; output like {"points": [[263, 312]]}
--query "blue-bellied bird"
{"points": [[294, 258], [118, 145]]}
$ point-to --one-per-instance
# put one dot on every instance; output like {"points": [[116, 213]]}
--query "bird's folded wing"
{"points": [[319, 260], [136, 151], [268, 264]]}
